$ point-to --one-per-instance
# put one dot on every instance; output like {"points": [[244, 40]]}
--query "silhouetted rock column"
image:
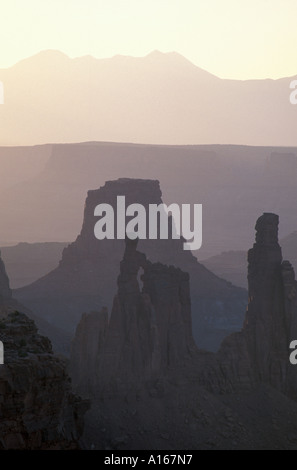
{"points": [[86, 348], [272, 311], [150, 325], [149, 332]]}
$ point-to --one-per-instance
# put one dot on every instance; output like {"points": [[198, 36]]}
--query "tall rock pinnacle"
{"points": [[145, 358], [149, 332], [271, 317]]}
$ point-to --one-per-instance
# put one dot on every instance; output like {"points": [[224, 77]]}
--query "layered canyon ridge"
{"points": [[44, 187]]}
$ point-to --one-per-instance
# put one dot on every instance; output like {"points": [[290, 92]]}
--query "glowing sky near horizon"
{"points": [[238, 39]]}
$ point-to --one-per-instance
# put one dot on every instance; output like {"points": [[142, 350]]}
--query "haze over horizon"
{"points": [[152, 53], [233, 39], [160, 72], [157, 99], [148, 236]]}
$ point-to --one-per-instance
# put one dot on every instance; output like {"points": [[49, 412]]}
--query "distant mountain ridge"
{"points": [[159, 98]]}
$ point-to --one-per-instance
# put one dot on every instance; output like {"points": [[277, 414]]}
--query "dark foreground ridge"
{"points": [[152, 388], [37, 407]]}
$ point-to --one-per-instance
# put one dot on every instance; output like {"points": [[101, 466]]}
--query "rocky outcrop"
{"points": [[153, 380], [85, 279], [271, 318], [149, 332], [5, 292], [86, 349], [37, 407], [260, 352]]}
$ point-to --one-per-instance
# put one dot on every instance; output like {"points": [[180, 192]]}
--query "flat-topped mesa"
{"points": [[5, 292], [86, 278], [138, 191]]}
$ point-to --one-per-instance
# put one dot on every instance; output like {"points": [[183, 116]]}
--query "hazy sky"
{"points": [[230, 38]]}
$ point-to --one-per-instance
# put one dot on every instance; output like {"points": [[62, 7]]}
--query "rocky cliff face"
{"points": [[86, 349], [5, 292], [149, 332], [153, 379], [85, 279], [37, 407], [260, 352], [271, 318], [150, 327]]}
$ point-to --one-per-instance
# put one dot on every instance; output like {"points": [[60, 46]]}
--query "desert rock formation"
{"points": [[85, 279]]}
